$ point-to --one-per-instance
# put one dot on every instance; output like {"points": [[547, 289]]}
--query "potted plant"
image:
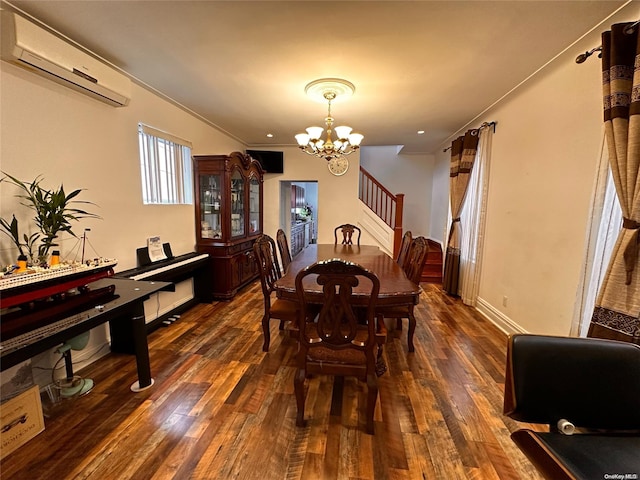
{"points": [[54, 211]]}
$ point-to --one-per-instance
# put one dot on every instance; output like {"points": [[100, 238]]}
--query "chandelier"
{"points": [[346, 142]]}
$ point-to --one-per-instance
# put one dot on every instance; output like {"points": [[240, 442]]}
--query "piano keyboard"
{"points": [[37, 334], [166, 268]]}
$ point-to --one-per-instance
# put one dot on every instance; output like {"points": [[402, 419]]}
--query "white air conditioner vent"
{"points": [[31, 46]]}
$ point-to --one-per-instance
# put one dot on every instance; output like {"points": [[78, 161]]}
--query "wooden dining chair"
{"points": [[345, 337], [404, 248], [414, 264], [283, 247], [264, 250], [347, 231]]}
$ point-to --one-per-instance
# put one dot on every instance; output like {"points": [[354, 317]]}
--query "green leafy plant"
{"points": [[54, 212], [11, 230]]}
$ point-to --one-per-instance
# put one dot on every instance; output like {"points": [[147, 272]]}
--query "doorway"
{"points": [[299, 213]]}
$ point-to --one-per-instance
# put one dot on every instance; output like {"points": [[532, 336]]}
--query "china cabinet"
{"points": [[228, 193]]}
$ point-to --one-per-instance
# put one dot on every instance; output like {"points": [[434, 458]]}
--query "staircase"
{"points": [[389, 208], [384, 204], [432, 271]]}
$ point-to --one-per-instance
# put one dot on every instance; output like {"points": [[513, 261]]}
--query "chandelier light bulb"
{"points": [[315, 132], [302, 139], [343, 132], [355, 139]]}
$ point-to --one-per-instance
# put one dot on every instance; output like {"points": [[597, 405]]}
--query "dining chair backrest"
{"points": [[338, 321], [347, 231], [416, 259], [404, 248], [283, 247], [264, 251]]}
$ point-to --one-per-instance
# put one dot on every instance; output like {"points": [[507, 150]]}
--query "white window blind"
{"points": [[165, 166]]}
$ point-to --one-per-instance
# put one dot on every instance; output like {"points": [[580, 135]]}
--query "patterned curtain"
{"points": [[617, 307], [463, 154]]}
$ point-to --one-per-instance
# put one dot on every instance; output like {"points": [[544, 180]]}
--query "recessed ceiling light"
{"points": [[270, 135], [420, 132]]}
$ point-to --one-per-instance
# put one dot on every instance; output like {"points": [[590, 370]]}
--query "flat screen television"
{"points": [[272, 162]]}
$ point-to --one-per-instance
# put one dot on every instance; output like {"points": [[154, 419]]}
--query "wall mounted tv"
{"points": [[272, 162]]}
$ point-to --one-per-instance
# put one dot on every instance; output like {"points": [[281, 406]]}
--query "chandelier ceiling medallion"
{"points": [[328, 89]]}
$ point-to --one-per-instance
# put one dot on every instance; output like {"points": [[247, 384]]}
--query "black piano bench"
{"points": [[587, 390]]}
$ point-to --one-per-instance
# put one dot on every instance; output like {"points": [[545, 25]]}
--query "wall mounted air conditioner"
{"points": [[30, 46]]}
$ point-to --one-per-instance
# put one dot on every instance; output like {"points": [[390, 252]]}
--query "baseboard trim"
{"points": [[499, 319]]}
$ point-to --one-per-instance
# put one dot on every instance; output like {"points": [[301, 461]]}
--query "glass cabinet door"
{"points": [[254, 205], [237, 204], [210, 203]]}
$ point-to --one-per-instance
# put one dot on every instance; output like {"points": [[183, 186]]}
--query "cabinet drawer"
{"points": [[240, 247]]}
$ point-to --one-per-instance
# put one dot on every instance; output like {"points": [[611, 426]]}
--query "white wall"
{"points": [[543, 167], [408, 174]]}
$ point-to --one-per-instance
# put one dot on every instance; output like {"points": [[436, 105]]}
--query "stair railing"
{"points": [[384, 204]]}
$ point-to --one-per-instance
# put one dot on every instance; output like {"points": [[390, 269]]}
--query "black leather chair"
{"points": [[587, 391]]}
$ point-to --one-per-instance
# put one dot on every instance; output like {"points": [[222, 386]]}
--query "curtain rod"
{"points": [[583, 56], [484, 125]]}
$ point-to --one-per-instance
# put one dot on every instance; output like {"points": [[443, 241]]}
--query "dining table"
{"points": [[395, 288]]}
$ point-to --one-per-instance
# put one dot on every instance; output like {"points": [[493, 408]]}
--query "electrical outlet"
{"points": [[504, 300]]}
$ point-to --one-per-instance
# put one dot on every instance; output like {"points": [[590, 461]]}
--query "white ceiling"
{"points": [[243, 65]]}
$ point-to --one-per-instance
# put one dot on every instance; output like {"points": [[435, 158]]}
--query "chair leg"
{"points": [[266, 333], [399, 324], [381, 366], [298, 386], [372, 397], [412, 329], [281, 324]]}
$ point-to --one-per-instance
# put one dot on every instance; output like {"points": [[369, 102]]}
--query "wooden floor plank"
{"points": [[222, 408]]}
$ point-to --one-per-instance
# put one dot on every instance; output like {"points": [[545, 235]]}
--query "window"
{"points": [[165, 167]]}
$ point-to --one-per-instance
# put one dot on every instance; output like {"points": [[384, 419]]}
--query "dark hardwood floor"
{"points": [[221, 408]]}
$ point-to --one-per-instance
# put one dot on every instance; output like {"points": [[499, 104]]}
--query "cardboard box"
{"points": [[21, 419], [16, 380]]}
